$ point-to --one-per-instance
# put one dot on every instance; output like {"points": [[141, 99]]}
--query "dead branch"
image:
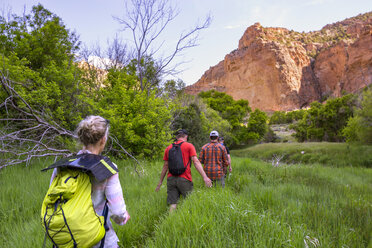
{"points": [[275, 161], [146, 20], [26, 133], [115, 141]]}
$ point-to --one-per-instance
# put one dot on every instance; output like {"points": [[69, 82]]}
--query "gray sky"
{"points": [[93, 21]]}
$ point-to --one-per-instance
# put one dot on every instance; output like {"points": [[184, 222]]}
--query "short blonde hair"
{"points": [[92, 129]]}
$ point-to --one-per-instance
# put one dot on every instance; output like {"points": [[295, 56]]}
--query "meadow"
{"points": [[296, 204]]}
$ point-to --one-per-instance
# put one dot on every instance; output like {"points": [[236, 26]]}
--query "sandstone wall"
{"points": [[277, 69]]}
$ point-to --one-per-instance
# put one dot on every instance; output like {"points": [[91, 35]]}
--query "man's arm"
{"points": [[199, 168], [229, 158], [225, 159], [162, 175]]}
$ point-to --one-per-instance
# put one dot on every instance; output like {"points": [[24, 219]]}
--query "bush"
{"points": [[325, 122], [359, 127]]}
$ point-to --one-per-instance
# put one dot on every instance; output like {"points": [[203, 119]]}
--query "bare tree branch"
{"points": [[115, 141], [147, 20]]}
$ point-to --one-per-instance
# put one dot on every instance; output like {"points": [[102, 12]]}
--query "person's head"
{"points": [[182, 134], [220, 139], [93, 131], [213, 135]]}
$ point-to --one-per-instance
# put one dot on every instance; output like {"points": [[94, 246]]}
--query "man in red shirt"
{"points": [[214, 157], [181, 184]]}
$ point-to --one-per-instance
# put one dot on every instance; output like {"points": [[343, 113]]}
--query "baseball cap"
{"points": [[182, 131], [214, 133]]}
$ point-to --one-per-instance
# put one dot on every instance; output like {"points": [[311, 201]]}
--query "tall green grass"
{"points": [[264, 206], [326, 153], [261, 206]]}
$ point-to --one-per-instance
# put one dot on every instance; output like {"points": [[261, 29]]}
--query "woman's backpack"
{"points": [[67, 212]]}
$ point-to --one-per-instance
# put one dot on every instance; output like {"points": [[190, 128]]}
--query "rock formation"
{"points": [[278, 69]]}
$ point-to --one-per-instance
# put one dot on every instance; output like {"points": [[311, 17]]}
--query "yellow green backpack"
{"points": [[67, 213]]}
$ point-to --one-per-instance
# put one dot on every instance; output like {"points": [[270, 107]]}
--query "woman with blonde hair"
{"points": [[92, 132]]}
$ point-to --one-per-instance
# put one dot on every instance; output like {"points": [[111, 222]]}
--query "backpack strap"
{"points": [[100, 166], [179, 144], [105, 214]]}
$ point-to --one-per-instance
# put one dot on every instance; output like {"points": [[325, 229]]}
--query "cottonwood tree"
{"points": [[147, 20]]}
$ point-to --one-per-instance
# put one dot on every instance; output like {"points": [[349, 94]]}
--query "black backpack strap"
{"points": [[179, 144], [99, 166], [104, 214]]}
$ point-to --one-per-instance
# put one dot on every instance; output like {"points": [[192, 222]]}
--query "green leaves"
{"points": [[139, 119], [236, 113], [359, 127], [37, 52], [39, 37], [324, 122]]}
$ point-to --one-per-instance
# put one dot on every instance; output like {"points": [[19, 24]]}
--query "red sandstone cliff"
{"points": [[278, 69]]}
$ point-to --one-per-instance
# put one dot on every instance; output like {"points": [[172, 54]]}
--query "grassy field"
{"points": [[293, 205], [325, 153]]}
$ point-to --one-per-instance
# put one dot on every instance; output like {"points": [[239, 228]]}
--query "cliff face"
{"points": [[278, 69]]}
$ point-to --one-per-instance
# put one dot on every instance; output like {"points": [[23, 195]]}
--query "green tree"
{"points": [[173, 89], [235, 112], [359, 127], [324, 122], [140, 120], [199, 120], [40, 37], [257, 123], [38, 54], [278, 117], [255, 129]]}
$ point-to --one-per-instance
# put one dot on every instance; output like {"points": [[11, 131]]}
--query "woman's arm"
{"points": [[115, 200]]}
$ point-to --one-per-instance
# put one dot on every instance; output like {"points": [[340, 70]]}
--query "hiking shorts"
{"points": [[177, 186]]}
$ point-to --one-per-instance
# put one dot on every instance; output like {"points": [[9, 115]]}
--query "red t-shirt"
{"points": [[188, 151]]}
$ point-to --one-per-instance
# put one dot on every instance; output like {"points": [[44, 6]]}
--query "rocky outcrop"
{"points": [[345, 67], [277, 69]]}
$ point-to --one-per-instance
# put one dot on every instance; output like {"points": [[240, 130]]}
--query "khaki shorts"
{"points": [[177, 186]]}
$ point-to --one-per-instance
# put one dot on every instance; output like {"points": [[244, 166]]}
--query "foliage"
{"points": [[324, 122], [254, 130], [147, 69], [359, 127], [281, 117], [37, 52], [270, 136], [235, 112], [40, 37], [257, 123], [173, 89], [139, 119], [38, 56], [199, 120], [231, 110]]}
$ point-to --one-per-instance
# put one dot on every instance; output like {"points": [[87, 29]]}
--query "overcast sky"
{"points": [[93, 21]]}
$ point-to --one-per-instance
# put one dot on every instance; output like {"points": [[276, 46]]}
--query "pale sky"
{"points": [[93, 21]]}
